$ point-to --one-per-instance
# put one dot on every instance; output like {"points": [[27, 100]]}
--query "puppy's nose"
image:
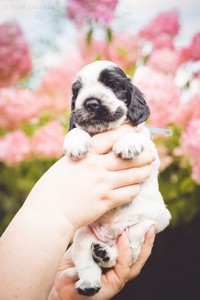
{"points": [[92, 105]]}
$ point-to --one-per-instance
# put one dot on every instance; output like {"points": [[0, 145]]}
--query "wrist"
{"points": [[48, 208]]}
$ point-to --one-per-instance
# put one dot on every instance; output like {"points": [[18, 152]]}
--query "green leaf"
{"points": [[122, 52], [89, 37], [109, 35]]}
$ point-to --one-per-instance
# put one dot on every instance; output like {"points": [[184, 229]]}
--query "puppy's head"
{"points": [[103, 97]]}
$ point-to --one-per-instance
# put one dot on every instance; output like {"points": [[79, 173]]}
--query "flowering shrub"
{"points": [[161, 94], [87, 11], [191, 143], [18, 106], [15, 147], [33, 122], [162, 29], [48, 140], [15, 61]]}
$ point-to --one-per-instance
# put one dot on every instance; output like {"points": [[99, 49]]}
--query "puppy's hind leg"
{"points": [[88, 271], [136, 236], [104, 255]]}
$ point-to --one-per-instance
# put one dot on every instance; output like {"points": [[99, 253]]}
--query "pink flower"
{"points": [[19, 106], [164, 60], [191, 138], [161, 30], [124, 49], [196, 171], [56, 85], [192, 52], [164, 24], [161, 95], [97, 49], [48, 141], [15, 60], [189, 111], [82, 11], [195, 47], [163, 41], [191, 142], [14, 147]]}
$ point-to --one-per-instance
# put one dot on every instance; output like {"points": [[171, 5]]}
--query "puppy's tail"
{"points": [[71, 273]]}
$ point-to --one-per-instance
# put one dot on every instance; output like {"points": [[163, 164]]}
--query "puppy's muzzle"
{"points": [[92, 105]]}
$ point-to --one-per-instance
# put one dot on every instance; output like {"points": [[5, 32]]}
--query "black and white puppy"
{"points": [[104, 98]]}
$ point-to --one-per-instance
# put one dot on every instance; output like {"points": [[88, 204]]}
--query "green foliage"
{"points": [[180, 193], [109, 35], [15, 184], [89, 37]]}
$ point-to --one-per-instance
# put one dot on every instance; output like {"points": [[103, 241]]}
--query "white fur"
{"points": [[146, 209], [77, 143]]}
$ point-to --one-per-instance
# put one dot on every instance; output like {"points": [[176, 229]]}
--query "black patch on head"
{"points": [[115, 79], [76, 87], [138, 110]]}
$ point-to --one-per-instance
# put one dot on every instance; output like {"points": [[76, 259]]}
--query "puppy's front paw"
{"points": [[88, 287], [77, 143], [104, 255], [128, 147]]}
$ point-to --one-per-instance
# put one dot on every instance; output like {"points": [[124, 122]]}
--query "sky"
{"points": [[134, 12], [37, 18]]}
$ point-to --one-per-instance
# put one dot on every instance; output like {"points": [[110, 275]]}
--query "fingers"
{"points": [[124, 253], [114, 163], [130, 176], [122, 195], [66, 261], [103, 142], [144, 255], [117, 277]]}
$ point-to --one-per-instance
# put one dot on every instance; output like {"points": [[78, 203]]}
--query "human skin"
{"points": [[69, 195], [114, 279]]}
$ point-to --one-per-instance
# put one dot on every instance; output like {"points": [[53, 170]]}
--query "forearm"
{"points": [[36, 243]]}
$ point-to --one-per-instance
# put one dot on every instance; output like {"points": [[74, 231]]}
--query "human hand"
{"points": [[114, 279], [82, 191]]}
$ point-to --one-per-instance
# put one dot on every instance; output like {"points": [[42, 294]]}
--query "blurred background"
{"points": [[157, 43]]}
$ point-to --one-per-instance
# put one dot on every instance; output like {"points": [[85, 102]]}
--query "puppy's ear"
{"points": [[71, 122], [138, 110], [77, 85]]}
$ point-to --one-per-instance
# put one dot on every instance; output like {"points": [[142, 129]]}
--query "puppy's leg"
{"points": [[76, 143], [104, 255], [88, 271], [136, 236], [129, 146]]}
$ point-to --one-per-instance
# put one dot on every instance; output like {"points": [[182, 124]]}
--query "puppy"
{"points": [[103, 99]]}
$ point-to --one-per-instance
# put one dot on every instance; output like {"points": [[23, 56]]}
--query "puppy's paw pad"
{"points": [[103, 255], [76, 154], [88, 288], [127, 151]]}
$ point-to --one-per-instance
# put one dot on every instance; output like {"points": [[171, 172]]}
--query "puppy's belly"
{"points": [[109, 232]]}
